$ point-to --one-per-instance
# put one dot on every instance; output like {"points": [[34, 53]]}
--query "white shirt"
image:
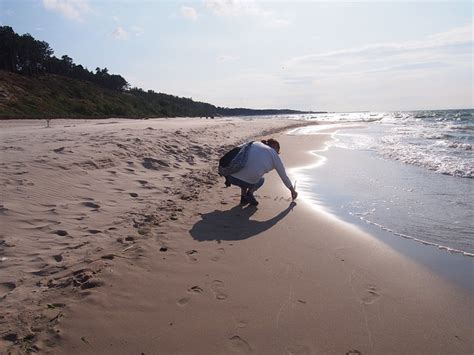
{"points": [[261, 160]]}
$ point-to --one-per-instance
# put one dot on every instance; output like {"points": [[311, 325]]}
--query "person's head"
{"points": [[273, 143]]}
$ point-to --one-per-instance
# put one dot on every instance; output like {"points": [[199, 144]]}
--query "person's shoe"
{"points": [[243, 200], [251, 200]]}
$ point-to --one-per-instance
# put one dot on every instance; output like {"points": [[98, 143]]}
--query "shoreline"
{"points": [[455, 265], [216, 278]]}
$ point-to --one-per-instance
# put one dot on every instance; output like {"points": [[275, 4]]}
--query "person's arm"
{"points": [[279, 167]]}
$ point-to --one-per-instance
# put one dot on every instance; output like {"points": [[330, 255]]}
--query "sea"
{"points": [[407, 177]]}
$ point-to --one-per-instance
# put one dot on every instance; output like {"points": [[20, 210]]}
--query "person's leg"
{"points": [[243, 195], [250, 197], [244, 188], [256, 186]]}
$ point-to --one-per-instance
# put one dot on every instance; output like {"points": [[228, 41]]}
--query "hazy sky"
{"points": [[311, 55]]}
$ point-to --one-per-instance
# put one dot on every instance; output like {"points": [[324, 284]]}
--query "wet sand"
{"points": [[118, 237]]}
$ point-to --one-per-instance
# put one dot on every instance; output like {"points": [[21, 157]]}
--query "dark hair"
{"points": [[272, 143]]}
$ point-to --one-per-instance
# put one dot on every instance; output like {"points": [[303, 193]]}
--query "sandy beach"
{"points": [[118, 236]]}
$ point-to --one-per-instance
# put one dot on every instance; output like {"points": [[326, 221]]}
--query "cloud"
{"points": [[427, 72], [189, 13], [120, 34], [456, 35], [71, 9], [235, 8], [434, 52]]}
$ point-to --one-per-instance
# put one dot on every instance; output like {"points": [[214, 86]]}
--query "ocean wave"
{"points": [[466, 128], [430, 116], [454, 144], [440, 141], [443, 164], [441, 146], [349, 117], [444, 156]]}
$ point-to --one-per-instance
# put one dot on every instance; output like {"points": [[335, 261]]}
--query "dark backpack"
{"points": [[233, 161], [227, 158]]}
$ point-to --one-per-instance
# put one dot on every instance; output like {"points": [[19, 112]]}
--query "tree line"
{"points": [[30, 58], [27, 56]]}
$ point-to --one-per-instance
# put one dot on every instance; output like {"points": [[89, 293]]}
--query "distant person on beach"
{"points": [[262, 157]]}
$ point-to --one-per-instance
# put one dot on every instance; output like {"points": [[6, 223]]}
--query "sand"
{"points": [[118, 237]]}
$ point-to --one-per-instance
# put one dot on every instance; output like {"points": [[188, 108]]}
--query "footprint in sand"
{"points": [[190, 255], [195, 289], [217, 287], [241, 324], [353, 352], [371, 295], [183, 301], [220, 252], [239, 345], [133, 194]]}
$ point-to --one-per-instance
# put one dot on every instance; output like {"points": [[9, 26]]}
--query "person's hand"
{"points": [[294, 194]]}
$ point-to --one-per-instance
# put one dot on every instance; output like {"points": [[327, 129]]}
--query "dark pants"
{"points": [[243, 184]]}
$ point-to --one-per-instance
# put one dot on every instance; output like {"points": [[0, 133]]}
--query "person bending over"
{"points": [[262, 158]]}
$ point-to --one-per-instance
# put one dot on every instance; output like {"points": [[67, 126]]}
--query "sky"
{"points": [[304, 55]]}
